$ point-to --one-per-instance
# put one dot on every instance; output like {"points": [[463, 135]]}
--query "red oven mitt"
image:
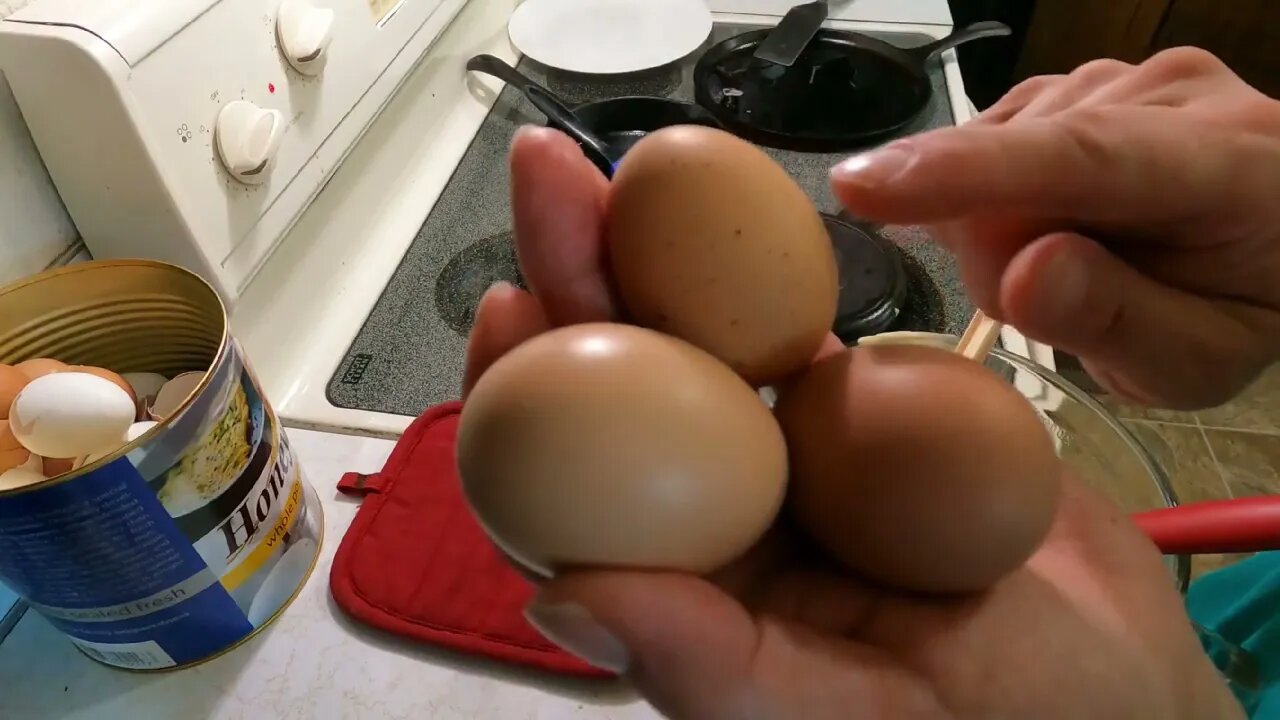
{"points": [[416, 563]]}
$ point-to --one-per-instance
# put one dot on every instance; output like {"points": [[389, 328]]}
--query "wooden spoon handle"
{"points": [[979, 337]]}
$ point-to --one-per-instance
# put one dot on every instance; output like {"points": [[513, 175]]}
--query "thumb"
{"points": [[1151, 340], [684, 643]]}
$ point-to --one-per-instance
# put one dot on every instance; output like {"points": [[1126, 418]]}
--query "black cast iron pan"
{"points": [[604, 129], [621, 122], [845, 91]]}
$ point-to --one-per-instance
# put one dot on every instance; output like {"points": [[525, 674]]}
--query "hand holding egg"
{"points": [[695, 250]]}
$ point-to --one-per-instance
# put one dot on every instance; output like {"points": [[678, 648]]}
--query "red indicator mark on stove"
{"points": [[271, 88]]}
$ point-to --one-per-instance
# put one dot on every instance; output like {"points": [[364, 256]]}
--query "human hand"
{"points": [[1091, 627], [1124, 214]]}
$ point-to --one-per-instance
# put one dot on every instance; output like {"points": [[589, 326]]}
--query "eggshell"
{"points": [[53, 467], [712, 241], [613, 445], [138, 429], [39, 367], [70, 414], [173, 394], [105, 374], [19, 477], [12, 454], [12, 380], [13, 457], [146, 385], [917, 467]]}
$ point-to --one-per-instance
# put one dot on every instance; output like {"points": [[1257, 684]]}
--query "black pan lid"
{"points": [[873, 281], [839, 95]]}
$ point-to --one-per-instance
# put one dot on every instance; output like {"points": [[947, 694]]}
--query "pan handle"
{"points": [[986, 28], [550, 105], [1217, 526]]}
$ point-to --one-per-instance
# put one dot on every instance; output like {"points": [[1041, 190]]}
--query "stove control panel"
{"points": [[196, 131]]}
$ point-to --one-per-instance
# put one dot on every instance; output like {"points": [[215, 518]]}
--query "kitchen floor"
{"points": [[1229, 451]]}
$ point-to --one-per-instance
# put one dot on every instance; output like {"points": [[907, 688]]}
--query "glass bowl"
{"points": [[1092, 441]]}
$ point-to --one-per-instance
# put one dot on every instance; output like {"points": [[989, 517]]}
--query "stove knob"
{"points": [[304, 32], [247, 137]]}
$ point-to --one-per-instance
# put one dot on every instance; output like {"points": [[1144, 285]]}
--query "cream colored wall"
{"points": [[35, 230]]}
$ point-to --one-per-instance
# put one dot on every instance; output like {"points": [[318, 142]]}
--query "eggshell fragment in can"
{"points": [[70, 414], [39, 367], [105, 374], [712, 241], [12, 380], [146, 385], [12, 454], [20, 476], [174, 393], [133, 432], [613, 445], [138, 429], [53, 467]]}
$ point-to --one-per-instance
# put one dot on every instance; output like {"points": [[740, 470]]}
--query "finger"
{"points": [[557, 199], [1067, 291], [505, 317], [831, 345], [685, 644], [1119, 169], [983, 247], [1077, 88], [694, 652], [1018, 98]]}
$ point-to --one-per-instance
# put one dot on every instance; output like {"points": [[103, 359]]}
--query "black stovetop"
{"points": [[410, 351]]}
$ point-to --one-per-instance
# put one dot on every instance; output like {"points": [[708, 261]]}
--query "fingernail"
{"points": [[526, 130], [499, 285], [877, 167], [571, 627], [1067, 291]]}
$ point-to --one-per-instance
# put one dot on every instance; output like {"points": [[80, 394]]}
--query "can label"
{"points": [[180, 549]]}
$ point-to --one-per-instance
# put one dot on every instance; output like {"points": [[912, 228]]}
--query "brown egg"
{"points": [[918, 468], [54, 467], [39, 367], [712, 241], [12, 380], [613, 445], [106, 375]]}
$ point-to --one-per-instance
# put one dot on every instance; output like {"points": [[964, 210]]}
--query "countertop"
{"points": [[312, 663]]}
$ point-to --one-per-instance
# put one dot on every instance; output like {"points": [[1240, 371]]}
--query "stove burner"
{"points": [[873, 281], [469, 274], [925, 310]]}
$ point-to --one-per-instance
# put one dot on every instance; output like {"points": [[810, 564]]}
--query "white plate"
{"points": [[609, 36]]}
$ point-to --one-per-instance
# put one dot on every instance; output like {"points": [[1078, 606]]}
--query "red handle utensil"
{"points": [[1217, 526]]}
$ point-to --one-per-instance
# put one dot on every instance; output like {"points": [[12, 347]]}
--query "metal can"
{"points": [[187, 541]]}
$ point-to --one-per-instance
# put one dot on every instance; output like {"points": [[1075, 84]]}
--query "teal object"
{"points": [[1237, 613]]}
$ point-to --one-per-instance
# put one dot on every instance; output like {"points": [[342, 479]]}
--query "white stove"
{"points": [[289, 152]]}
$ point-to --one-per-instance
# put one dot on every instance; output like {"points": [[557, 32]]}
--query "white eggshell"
{"points": [[71, 415], [174, 393], [138, 429], [145, 385], [20, 476]]}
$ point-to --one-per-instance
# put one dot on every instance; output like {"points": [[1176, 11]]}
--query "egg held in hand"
{"points": [[70, 415], [711, 241], [612, 445], [918, 468]]}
